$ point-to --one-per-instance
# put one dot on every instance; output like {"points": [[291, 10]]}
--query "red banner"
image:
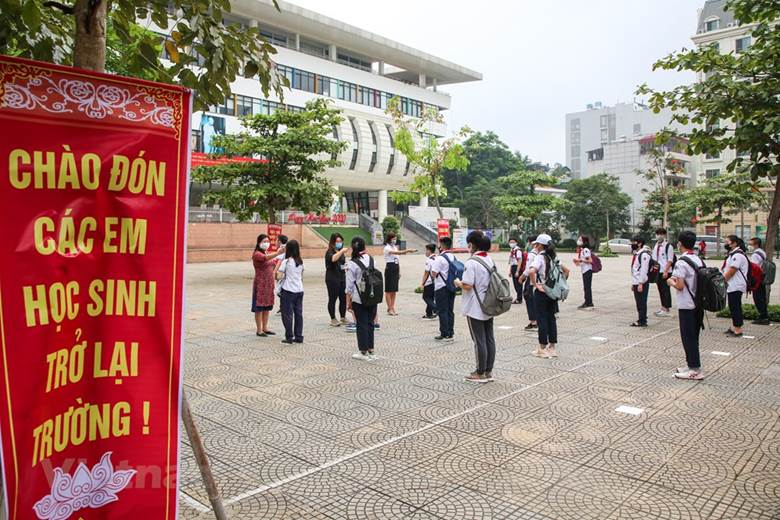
{"points": [[443, 227], [93, 200], [204, 159], [314, 218], [274, 230]]}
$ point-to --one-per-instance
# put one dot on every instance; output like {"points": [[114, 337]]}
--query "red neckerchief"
{"points": [[481, 253]]}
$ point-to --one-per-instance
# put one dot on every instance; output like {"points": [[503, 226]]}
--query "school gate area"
{"points": [[307, 432]]}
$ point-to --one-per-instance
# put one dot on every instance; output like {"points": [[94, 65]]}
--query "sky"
{"points": [[540, 59]]}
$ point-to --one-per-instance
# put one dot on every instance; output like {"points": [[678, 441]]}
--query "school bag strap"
{"points": [[695, 268]]}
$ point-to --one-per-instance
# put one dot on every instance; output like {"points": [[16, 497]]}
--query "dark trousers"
{"points": [[429, 299], [759, 298], [641, 301], [545, 318], [516, 283], [336, 291], [587, 283], [445, 307], [689, 333], [735, 306], [292, 315], [664, 291], [529, 302], [484, 343], [364, 319]]}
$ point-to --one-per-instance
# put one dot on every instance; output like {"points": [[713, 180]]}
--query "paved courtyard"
{"points": [[305, 431]]}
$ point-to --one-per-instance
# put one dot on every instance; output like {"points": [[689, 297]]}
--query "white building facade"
{"points": [[360, 72]]}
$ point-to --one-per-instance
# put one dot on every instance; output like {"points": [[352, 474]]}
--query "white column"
{"points": [[422, 80], [381, 69], [334, 53], [381, 204], [336, 206], [435, 85], [297, 42], [423, 201]]}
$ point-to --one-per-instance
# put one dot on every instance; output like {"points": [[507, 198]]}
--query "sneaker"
{"points": [[376, 325], [761, 322], [287, 341], [372, 356], [489, 377], [682, 369], [661, 313], [551, 353], [343, 321], [362, 356], [298, 340], [444, 339], [351, 327], [428, 317], [335, 323], [584, 306], [694, 375], [476, 377]]}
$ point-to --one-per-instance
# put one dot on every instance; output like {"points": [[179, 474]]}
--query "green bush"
{"points": [[605, 251], [568, 243], [390, 224], [749, 312]]}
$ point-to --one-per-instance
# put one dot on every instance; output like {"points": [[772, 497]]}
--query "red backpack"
{"points": [[755, 276], [521, 267]]}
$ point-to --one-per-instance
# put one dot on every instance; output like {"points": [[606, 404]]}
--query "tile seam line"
{"points": [[439, 422]]}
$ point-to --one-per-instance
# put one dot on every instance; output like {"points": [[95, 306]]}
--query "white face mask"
{"points": [[264, 245], [513, 244], [579, 242], [393, 241], [660, 238]]}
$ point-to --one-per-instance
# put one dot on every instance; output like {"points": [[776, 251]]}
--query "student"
{"points": [[640, 265], [476, 278], [758, 257], [683, 280], [263, 285], [528, 287], [544, 306], [445, 299], [663, 253], [426, 285], [335, 281], [735, 270], [282, 241], [291, 286], [516, 267], [364, 314], [392, 270], [584, 260]]}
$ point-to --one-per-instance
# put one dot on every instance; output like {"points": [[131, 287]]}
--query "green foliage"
{"points": [[520, 200], [736, 105], [390, 224], [194, 30], [680, 215], [595, 206], [292, 145], [749, 312], [725, 195], [478, 204]]}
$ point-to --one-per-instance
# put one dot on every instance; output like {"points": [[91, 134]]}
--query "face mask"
{"points": [[339, 245], [660, 238], [513, 244], [393, 241], [579, 243], [264, 245], [634, 247]]}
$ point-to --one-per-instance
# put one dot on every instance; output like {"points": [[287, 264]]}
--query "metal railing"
{"points": [[420, 229]]}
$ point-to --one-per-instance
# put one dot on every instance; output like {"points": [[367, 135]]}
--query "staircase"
{"points": [[417, 235]]}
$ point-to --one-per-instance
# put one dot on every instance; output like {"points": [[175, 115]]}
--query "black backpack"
{"points": [[653, 267], [370, 285], [710, 287]]}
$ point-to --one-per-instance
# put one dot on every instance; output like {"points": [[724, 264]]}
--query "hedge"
{"points": [[749, 312]]}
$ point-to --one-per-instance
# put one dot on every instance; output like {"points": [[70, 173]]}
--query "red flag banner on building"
{"points": [[93, 201], [274, 230], [443, 227]]}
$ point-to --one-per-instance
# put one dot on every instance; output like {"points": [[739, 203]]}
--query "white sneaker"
{"points": [[661, 313], [371, 356], [360, 356], [694, 375]]}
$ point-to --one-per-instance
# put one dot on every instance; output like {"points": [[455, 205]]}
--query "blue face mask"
{"points": [[339, 245]]}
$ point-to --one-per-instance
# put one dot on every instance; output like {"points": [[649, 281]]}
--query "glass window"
{"points": [[712, 25], [574, 124], [709, 174], [392, 149], [743, 44], [355, 144], [637, 128], [376, 147], [604, 120], [275, 38], [243, 106]]}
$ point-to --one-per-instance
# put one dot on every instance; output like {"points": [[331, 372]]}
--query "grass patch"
{"points": [[749, 312], [347, 232]]}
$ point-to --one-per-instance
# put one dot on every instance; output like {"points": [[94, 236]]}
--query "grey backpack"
{"points": [[769, 268], [555, 285], [498, 298]]}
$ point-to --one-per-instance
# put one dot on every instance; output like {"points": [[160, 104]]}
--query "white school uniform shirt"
{"points": [[685, 272], [663, 253], [640, 265], [442, 267], [354, 273], [390, 258], [515, 256], [540, 265], [738, 282], [758, 256], [585, 254], [428, 266], [529, 262], [293, 276], [477, 276]]}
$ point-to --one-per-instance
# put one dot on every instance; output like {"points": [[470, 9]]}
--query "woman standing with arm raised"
{"points": [[392, 270], [335, 267], [263, 284]]}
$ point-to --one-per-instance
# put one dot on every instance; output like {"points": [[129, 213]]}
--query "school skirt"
{"points": [[392, 274]]}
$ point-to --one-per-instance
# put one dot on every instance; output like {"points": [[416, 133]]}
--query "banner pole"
{"points": [[203, 461]]}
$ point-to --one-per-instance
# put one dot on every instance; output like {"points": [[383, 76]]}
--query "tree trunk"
{"points": [[720, 211], [89, 49], [608, 237], [771, 223], [666, 208]]}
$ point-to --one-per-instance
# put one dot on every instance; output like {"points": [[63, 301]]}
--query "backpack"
{"points": [[523, 262], [455, 272], [755, 276], [370, 285], [710, 287], [556, 287], [768, 268], [595, 263], [653, 268], [498, 298]]}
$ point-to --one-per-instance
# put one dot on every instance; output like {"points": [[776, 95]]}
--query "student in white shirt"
{"points": [[584, 260], [735, 270], [392, 270], [528, 287], [663, 253], [758, 257], [364, 314], [683, 281], [544, 306], [426, 285], [445, 298], [476, 278], [640, 265], [291, 284], [516, 267]]}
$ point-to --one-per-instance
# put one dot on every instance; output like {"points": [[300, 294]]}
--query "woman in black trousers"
{"points": [[335, 279]]}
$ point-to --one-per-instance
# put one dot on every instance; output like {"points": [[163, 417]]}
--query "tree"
{"points": [[595, 207], [736, 104], [479, 206], [295, 148], [663, 168], [204, 53], [520, 200], [431, 158], [674, 205]]}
